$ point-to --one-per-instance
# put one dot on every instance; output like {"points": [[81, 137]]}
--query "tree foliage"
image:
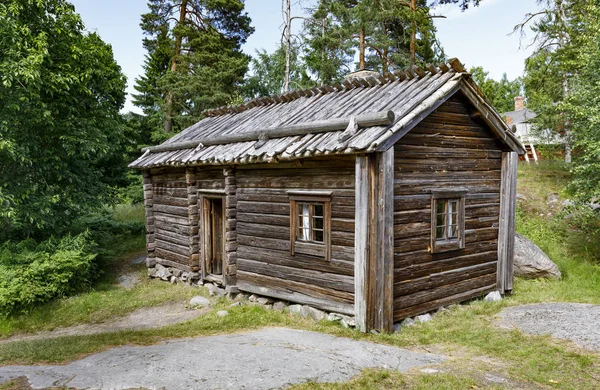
{"points": [[562, 83], [61, 138], [500, 93], [383, 33], [194, 59], [267, 70]]}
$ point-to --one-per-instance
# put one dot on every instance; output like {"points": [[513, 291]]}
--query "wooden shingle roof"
{"points": [[359, 116]]}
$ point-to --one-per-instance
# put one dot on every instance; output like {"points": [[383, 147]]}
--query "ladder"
{"points": [[530, 153]]}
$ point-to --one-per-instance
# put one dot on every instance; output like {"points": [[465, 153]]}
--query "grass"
{"points": [[105, 299], [477, 350]]}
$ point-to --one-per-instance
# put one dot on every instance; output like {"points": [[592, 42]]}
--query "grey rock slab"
{"points": [[577, 322], [265, 359], [531, 262], [199, 301], [423, 318]]}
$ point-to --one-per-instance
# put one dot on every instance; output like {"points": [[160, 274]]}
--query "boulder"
{"points": [[199, 301], [150, 262], [315, 314], [531, 262], [423, 318], [279, 306], [295, 309], [214, 290], [264, 301], [222, 313], [494, 296], [162, 272]]}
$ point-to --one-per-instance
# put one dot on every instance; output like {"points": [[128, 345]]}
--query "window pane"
{"points": [[318, 210], [441, 223], [319, 235], [318, 223], [439, 233], [452, 231], [441, 206], [304, 221]]}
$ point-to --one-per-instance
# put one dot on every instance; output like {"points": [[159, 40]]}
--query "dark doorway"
{"points": [[213, 235]]}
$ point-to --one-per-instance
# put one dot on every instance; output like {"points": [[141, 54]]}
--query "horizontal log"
{"points": [[172, 247], [419, 151], [172, 210], [311, 277], [257, 191], [406, 259], [437, 303], [323, 126], [290, 286], [171, 192], [173, 264], [171, 201], [161, 217], [176, 257], [460, 260], [337, 252], [450, 142], [284, 258], [173, 238], [421, 297], [297, 297]]}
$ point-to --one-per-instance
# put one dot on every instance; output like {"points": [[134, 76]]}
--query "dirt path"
{"points": [[577, 322], [270, 358], [144, 318]]}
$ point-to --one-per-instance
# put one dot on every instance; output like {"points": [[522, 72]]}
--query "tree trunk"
{"points": [[174, 58], [361, 53], [413, 34], [288, 43]]}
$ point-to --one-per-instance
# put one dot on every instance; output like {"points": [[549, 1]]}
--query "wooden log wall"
{"points": [[447, 150], [150, 222], [193, 217], [264, 263], [173, 223], [230, 269]]}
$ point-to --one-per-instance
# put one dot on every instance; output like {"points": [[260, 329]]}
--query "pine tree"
{"points": [[386, 35], [267, 71], [202, 40]]}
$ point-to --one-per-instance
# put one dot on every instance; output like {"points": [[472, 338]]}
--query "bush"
{"points": [[33, 273]]}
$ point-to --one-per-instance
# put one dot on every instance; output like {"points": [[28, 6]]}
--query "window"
{"points": [[447, 221], [310, 229]]}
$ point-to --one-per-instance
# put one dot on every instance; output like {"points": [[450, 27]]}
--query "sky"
{"points": [[478, 36]]}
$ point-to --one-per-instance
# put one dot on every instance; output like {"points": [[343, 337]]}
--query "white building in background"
{"points": [[520, 121]]}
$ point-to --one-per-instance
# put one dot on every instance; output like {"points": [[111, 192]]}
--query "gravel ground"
{"points": [[577, 322], [271, 358]]}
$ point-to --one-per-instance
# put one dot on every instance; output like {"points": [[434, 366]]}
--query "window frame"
{"points": [[452, 244], [311, 247]]}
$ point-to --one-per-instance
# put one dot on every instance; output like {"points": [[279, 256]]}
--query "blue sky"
{"points": [[478, 36]]}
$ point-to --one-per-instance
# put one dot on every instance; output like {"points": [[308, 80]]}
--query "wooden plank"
{"points": [[382, 259], [507, 222], [361, 243]]}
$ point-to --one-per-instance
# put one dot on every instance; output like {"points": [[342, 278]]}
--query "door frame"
{"points": [[205, 196]]}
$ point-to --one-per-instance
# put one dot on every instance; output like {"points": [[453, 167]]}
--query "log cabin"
{"points": [[382, 197]]}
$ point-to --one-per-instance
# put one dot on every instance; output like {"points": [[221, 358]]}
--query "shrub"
{"points": [[33, 273]]}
